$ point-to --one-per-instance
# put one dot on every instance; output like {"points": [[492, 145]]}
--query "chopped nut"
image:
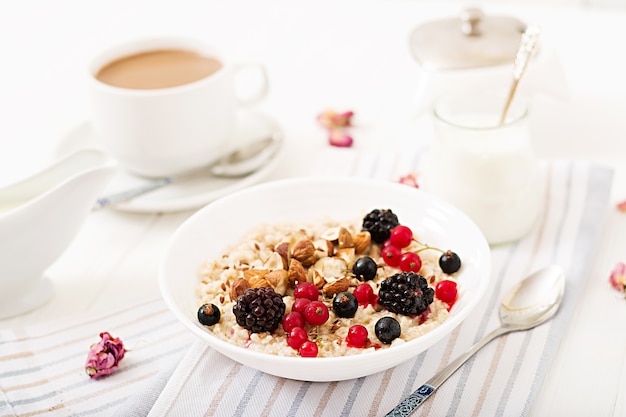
{"points": [[283, 250], [348, 255], [362, 241], [316, 278], [335, 326], [344, 240], [256, 277], [331, 268], [304, 251], [279, 280], [274, 261], [331, 234], [296, 273], [336, 287], [238, 288]]}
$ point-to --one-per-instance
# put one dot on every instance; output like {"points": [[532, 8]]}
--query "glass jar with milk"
{"points": [[484, 167]]}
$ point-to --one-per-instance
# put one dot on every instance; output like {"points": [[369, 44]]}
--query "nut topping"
{"points": [[336, 287], [304, 251], [238, 288]]}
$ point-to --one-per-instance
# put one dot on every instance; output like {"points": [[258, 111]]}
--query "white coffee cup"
{"points": [[163, 131]]}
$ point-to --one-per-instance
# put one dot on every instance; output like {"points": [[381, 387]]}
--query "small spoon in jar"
{"points": [[530, 303]]}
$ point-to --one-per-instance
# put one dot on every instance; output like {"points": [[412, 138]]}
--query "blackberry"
{"points": [[259, 309], [405, 293], [379, 223]]}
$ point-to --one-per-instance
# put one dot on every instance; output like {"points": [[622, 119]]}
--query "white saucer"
{"points": [[189, 194]]}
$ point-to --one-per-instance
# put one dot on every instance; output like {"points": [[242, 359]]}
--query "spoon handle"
{"points": [[103, 202], [410, 403]]}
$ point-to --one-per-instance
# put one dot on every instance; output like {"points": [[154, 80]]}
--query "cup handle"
{"points": [[260, 84]]}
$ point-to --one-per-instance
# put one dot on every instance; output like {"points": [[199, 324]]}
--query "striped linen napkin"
{"points": [[170, 373]]}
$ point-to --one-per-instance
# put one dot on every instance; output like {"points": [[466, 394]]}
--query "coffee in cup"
{"points": [[166, 106], [158, 69]]}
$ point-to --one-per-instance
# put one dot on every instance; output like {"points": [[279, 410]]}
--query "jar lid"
{"points": [[471, 40]]}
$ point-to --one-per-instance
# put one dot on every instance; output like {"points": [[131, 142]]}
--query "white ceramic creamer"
{"points": [[39, 218]]}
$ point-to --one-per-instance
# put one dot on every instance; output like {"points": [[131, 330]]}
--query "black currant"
{"points": [[365, 268], [208, 314], [449, 262], [345, 304], [387, 329]]}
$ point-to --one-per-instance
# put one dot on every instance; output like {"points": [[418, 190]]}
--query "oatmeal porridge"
{"points": [[327, 288]]}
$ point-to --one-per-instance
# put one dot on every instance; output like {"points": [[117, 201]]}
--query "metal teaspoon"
{"points": [[238, 163], [530, 303]]}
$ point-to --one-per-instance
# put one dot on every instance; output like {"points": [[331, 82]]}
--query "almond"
{"points": [[336, 287], [256, 277]]}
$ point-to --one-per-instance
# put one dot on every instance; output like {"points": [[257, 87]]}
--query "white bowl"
{"points": [[223, 222]]}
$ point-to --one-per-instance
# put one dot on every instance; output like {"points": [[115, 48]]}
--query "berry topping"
{"points": [[345, 305], [297, 336], [308, 349], [379, 223], [450, 262], [306, 290], [259, 309], [387, 329], [208, 314], [391, 254], [365, 268], [357, 336], [446, 291], [401, 236], [292, 320], [316, 313], [364, 294], [299, 304], [405, 293], [410, 261]]}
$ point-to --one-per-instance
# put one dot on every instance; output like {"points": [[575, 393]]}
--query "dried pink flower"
{"points": [[617, 279], [330, 119], [104, 356], [337, 125], [338, 137], [621, 206], [409, 179]]}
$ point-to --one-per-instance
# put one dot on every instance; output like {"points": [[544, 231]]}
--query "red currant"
{"points": [[446, 291], [391, 254], [306, 290], [357, 336], [292, 320], [299, 304], [316, 313], [364, 294], [308, 349], [401, 236], [297, 336], [410, 262]]}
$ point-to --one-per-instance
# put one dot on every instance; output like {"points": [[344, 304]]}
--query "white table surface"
{"points": [[342, 55]]}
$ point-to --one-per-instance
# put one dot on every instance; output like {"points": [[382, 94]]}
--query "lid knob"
{"points": [[470, 19]]}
